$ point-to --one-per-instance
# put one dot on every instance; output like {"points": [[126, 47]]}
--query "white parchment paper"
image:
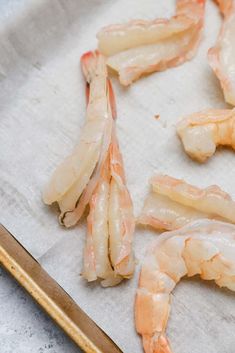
{"points": [[42, 108]]}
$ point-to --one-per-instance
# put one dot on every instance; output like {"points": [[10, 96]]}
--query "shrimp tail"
{"points": [[90, 61], [156, 344]]}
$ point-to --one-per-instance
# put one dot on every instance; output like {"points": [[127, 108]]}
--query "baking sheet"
{"points": [[42, 108]]}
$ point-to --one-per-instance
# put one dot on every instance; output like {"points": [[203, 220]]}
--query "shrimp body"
{"points": [[121, 218], [221, 56], [160, 212], [116, 38], [78, 175], [225, 6], [108, 252], [96, 253], [202, 132], [173, 203], [141, 47], [204, 247]]}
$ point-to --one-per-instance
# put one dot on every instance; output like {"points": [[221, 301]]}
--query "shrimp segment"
{"points": [[202, 132], [173, 203], [204, 247], [141, 47], [74, 181], [221, 56]]}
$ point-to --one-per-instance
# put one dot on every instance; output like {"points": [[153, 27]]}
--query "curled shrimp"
{"points": [[140, 47], [204, 247], [74, 181], [221, 56], [108, 252], [173, 203], [202, 132]]}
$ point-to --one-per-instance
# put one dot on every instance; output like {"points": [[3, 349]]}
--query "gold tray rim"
{"points": [[52, 297]]}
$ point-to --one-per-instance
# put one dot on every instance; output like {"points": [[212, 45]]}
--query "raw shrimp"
{"points": [[74, 181], [202, 132], [116, 38], [96, 253], [204, 247], [221, 56], [141, 47], [108, 253], [174, 203], [160, 212]]}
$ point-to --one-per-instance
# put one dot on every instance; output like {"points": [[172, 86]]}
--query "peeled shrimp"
{"points": [[74, 181], [160, 212], [202, 132], [173, 203], [221, 56], [108, 253], [204, 247], [96, 253], [141, 47]]}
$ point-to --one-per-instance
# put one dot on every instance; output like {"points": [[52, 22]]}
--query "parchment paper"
{"points": [[42, 108]]}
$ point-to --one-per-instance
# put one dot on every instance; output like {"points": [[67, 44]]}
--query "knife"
{"points": [[52, 297]]}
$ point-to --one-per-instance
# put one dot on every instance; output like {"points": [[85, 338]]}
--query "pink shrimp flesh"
{"points": [[141, 47], [174, 203], [202, 132], [221, 56], [74, 181], [204, 247]]}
